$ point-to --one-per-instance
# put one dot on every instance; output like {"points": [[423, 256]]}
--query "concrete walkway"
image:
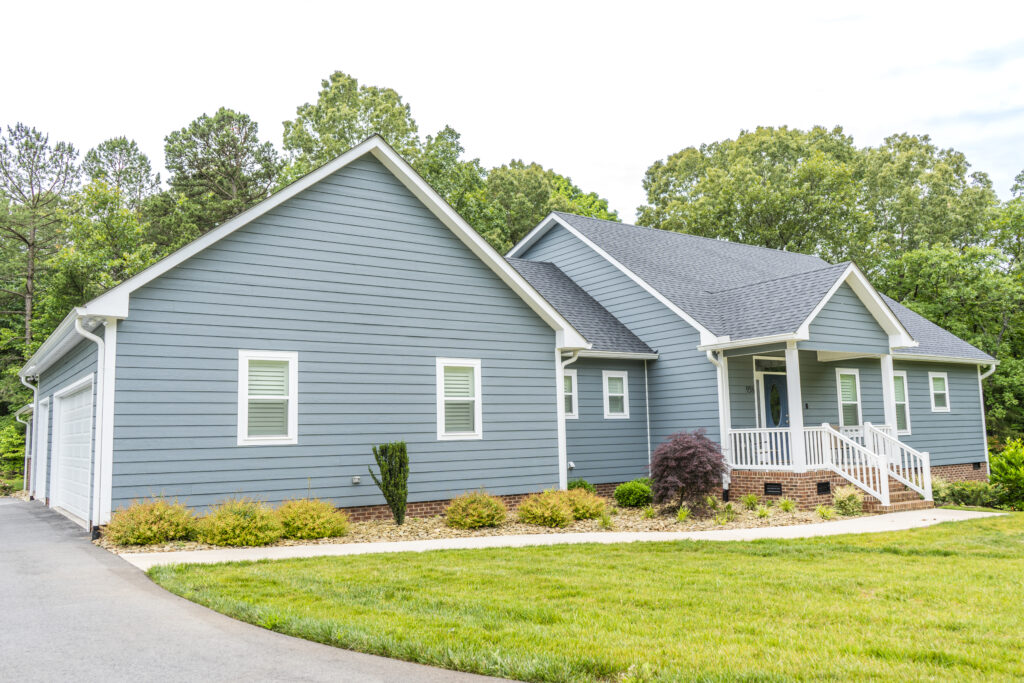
{"points": [[74, 612], [861, 525]]}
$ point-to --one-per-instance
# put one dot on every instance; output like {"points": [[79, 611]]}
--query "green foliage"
{"points": [[1007, 472], [120, 164], [549, 508], [393, 463], [683, 513], [726, 514], [240, 522], [749, 501], [12, 450], [763, 511], [147, 522], [825, 511], [848, 501], [9, 486], [606, 521], [969, 493], [633, 494], [475, 510], [584, 504], [311, 518], [582, 484], [649, 512], [711, 503], [787, 505]]}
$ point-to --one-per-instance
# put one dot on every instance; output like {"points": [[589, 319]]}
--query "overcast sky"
{"points": [[595, 90]]}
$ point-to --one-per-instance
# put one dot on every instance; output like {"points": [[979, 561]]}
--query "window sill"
{"points": [[269, 441], [460, 437], [616, 417]]}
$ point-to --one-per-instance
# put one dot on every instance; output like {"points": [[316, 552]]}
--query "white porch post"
{"points": [[796, 408], [889, 392]]}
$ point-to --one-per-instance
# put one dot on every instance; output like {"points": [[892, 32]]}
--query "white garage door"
{"points": [[72, 453]]}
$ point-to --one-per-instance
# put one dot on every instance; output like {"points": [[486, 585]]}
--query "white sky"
{"points": [[597, 91]]}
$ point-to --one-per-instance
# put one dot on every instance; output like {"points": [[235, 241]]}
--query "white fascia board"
{"points": [[533, 235], [60, 341], [751, 341], [115, 302], [706, 336], [943, 359], [622, 355], [899, 337]]}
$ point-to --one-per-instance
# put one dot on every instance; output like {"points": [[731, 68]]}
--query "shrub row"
{"points": [[560, 508], [237, 521]]}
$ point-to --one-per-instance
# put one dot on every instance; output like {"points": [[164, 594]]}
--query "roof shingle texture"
{"points": [[591, 319]]}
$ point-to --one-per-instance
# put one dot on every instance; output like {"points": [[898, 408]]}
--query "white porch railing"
{"points": [[768, 449], [910, 467], [857, 432], [854, 462]]}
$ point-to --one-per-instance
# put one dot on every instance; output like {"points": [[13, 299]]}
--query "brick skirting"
{"points": [[801, 488], [961, 472], [429, 508]]}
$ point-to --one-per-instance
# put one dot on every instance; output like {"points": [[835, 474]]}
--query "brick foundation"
{"points": [[429, 508], [961, 472], [801, 488]]}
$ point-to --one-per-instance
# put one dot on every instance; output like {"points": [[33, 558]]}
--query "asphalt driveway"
{"points": [[72, 611]]}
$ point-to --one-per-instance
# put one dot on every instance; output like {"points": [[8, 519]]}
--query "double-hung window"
{"points": [[899, 380], [848, 388], [459, 409], [616, 394], [268, 389], [939, 384], [570, 394]]}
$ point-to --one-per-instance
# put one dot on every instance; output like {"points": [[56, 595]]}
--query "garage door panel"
{"points": [[74, 453]]}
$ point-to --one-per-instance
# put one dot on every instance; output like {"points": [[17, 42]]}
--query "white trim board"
{"points": [[292, 359], [478, 400]]}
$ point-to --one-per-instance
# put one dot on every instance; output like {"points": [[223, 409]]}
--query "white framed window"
{"points": [[899, 380], [570, 394], [616, 394], [848, 389], [268, 398], [459, 409], [938, 385]]}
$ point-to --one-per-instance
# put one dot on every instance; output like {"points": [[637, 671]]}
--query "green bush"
{"points": [[240, 521], [12, 452], [711, 503], [763, 512], [749, 501], [550, 509], [393, 462], [151, 521], [1007, 472], [606, 521], [585, 504], [650, 512], [683, 514], [475, 510], [848, 501], [305, 518], [634, 494], [582, 484], [826, 511], [968, 493], [787, 505]]}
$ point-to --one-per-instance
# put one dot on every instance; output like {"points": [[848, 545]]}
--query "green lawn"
{"points": [[945, 602]]}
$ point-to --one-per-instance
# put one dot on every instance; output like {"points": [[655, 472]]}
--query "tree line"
{"points": [[926, 229]]}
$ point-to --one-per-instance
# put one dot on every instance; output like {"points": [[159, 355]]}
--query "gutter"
{"points": [[991, 369], [30, 440], [98, 426]]}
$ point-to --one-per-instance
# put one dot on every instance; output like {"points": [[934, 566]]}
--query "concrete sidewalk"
{"points": [[861, 525]]}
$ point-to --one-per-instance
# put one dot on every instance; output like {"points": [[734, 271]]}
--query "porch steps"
{"points": [[901, 499]]}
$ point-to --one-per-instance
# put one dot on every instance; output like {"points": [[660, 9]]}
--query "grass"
{"points": [[941, 602]]}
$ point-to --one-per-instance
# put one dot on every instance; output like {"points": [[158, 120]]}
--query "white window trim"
{"points": [[575, 413], [839, 395], [244, 356], [478, 401], [605, 375], [906, 399], [931, 391]]}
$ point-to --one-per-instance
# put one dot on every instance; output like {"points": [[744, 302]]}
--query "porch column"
{"points": [[796, 408], [889, 391]]}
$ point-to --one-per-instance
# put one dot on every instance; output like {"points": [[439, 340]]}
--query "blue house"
{"points": [[356, 307]]}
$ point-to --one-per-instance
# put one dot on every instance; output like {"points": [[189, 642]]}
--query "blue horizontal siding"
{"points": [[845, 324]]}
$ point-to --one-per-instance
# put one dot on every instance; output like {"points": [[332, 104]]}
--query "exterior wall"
{"points": [[683, 385], [607, 451], [801, 488], [364, 282], [961, 472], [949, 438], [845, 324], [77, 363]]}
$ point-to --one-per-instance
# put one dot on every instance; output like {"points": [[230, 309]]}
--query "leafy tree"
{"points": [[459, 181], [346, 113], [119, 163]]}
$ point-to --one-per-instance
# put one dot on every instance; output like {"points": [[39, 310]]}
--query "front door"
{"points": [[776, 401]]}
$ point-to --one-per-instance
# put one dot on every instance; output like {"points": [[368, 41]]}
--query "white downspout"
{"points": [[563, 454], [26, 476], [98, 427], [722, 416], [647, 412], [988, 373], [984, 420]]}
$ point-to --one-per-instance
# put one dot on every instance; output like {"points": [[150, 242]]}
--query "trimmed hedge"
{"points": [[240, 521], [550, 509], [311, 518], [151, 521], [634, 494], [475, 510], [584, 504]]}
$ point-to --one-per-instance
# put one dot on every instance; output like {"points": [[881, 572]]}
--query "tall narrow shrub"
{"points": [[686, 468], [393, 462]]}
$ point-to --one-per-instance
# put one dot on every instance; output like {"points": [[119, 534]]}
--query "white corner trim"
{"points": [[575, 395], [605, 376], [931, 392], [292, 437], [478, 432], [538, 231], [839, 395], [560, 438], [106, 401]]}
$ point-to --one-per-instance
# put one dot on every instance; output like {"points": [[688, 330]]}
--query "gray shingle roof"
{"points": [[743, 290], [591, 319]]}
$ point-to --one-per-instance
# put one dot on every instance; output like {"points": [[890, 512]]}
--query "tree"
{"points": [[219, 166], [344, 114], [460, 182], [119, 163]]}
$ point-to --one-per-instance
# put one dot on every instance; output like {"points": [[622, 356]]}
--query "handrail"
{"points": [[760, 448], [910, 467], [855, 463]]}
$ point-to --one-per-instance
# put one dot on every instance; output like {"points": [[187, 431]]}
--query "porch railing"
{"points": [[855, 463], [761, 449], [858, 432], [910, 467]]}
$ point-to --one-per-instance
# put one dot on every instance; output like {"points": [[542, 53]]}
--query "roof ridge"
{"points": [[830, 266]]}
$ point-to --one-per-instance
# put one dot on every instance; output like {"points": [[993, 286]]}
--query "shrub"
{"points": [[633, 494], [606, 521], [848, 501], [787, 505], [582, 484], [749, 501], [549, 508], [726, 514], [1007, 472], [305, 518], [650, 512], [826, 511], [683, 514], [711, 503], [585, 504], [475, 510], [393, 462], [763, 512], [12, 452], [969, 493], [240, 521], [151, 521], [686, 467]]}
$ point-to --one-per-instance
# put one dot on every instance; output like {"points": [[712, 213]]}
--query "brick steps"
{"points": [[901, 499]]}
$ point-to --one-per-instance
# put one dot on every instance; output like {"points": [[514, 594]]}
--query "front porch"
{"points": [[798, 411]]}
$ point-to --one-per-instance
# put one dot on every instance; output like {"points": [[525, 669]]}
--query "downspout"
{"points": [[98, 426], [30, 437], [727, 477], [988, 373], [984, 421], [647, 411], [563, 477]]}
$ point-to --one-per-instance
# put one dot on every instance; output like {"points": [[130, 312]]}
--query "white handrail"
{"points": [[910, 467], [760, 448], [855, 463]]}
